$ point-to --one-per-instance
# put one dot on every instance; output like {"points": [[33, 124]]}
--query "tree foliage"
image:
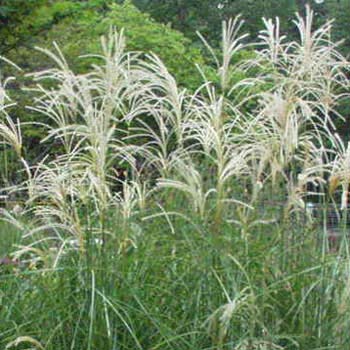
{"points": [[206, 15], [12, 15], [76, 27]]}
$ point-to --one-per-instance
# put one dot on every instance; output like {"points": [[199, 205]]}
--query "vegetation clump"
{"points": [[190, 250]]}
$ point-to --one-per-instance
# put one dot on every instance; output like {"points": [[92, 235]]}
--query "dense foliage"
{"points": [[172, 212], [206, 15], [77, 27]]}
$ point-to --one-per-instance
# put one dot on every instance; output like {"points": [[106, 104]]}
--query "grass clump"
{"points": [[154, 225]]}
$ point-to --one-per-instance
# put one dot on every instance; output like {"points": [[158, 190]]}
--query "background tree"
{"points": [[340, 11], [13, 13], [206, 15]]}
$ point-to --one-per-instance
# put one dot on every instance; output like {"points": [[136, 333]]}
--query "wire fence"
{"points": [[326, 214]]}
